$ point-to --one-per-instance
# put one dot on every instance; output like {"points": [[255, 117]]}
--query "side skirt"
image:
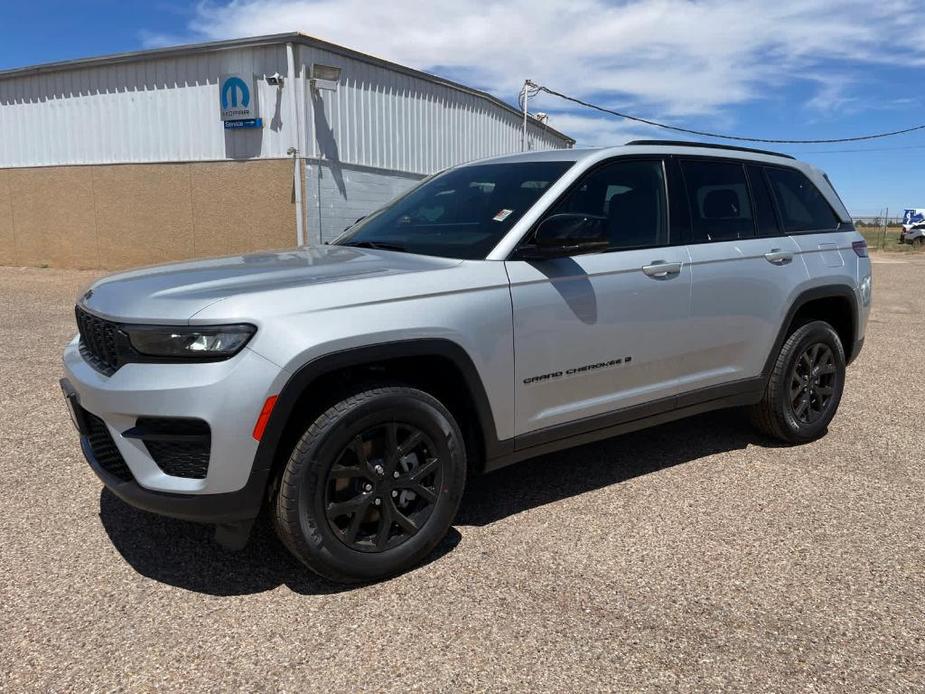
{"points": [[549, 440]]}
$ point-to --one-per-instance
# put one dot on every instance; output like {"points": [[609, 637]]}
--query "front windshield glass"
{"points": [[462, 213]]}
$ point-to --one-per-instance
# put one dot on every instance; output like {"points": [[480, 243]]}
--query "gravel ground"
{"points": [[695, 556]]}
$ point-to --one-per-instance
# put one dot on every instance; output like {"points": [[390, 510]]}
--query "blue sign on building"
{"points": [[238, 98], [232, 89], [249, 123]]}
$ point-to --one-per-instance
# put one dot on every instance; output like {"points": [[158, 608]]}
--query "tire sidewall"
{"points": [[804, 337], [318, 540]]}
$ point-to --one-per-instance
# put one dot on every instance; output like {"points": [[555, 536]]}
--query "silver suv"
{"points": [[500, 310]]}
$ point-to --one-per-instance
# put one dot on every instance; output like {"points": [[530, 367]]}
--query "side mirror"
{"points": [[568, 234]]}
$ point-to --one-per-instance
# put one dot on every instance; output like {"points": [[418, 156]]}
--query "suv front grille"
{"points": [[98, 342], [104, 449]]}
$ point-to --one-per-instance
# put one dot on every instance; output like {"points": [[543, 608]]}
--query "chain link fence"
{"points": [[880, 227]]}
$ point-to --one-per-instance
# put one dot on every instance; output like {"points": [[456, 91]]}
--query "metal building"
{"points": [[126, 159]]}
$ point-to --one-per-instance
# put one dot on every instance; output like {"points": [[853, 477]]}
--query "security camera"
{"points": [[275, 79]]}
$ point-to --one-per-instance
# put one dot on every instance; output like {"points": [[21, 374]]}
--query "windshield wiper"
{"points": [[378, 245]]}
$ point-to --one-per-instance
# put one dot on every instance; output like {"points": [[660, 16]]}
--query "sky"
{"points": [[787, 69]]}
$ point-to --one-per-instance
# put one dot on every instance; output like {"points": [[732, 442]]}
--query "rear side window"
{"points": [[717, 193], [802, 207]]}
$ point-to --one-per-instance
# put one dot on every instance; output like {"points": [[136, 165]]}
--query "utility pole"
{"points": [[528, 85]]}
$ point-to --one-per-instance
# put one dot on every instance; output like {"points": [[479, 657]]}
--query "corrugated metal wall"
{"points": [[142, 111], [385, 119], [166, 110]]}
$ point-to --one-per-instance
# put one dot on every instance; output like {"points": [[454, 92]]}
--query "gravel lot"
{"points": [[695, 556]]}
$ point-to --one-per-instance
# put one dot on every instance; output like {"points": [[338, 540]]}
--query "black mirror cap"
{"points": [[565, 234]]}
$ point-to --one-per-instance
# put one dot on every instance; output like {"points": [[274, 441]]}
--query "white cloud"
{"points": [[673, 58]]}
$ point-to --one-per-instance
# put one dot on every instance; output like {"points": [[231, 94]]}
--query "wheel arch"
{"points": [[837, 304], [450, 375]]}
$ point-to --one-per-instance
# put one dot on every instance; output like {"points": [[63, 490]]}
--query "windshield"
{"points": [[462, 213]]}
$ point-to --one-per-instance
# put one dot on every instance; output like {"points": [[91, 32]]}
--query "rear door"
{"points": [[602, 332], [744, 271]]}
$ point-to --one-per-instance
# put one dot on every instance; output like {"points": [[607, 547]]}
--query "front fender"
{"points": [[301, 380]]}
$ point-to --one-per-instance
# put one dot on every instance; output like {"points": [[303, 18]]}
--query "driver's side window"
{"points": [[627, 201]]}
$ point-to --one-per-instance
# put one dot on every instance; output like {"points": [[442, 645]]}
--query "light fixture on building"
{"points": [[324, 76], [275, 79]]}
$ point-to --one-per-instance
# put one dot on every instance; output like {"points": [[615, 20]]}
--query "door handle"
{"points": [[778, 257], [661, 269]]}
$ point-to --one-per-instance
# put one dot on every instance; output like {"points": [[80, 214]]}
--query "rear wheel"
{"points": [[373, 485], [805, 387]]}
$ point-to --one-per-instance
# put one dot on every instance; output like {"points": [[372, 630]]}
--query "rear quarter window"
{"points": [[802, 207]]}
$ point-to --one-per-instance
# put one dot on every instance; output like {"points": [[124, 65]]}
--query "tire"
{"points": [[799, 400], [917, 243], [396, 444]]}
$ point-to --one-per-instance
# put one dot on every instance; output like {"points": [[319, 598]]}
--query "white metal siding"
{"points": [[144, 111], [385, 119], [165, 109]]}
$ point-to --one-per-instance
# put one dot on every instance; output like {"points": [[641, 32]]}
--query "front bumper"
{"points": [[230, 507], [227, 395]]}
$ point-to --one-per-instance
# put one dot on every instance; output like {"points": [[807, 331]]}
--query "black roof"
{"points": [[710, 145]]}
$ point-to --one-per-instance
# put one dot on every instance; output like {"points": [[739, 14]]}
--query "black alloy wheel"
{"points": [[373, 484], [812, 383], [382, 488], [804, 387]]}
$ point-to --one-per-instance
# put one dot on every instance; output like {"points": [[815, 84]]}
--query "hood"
{"points": [[176, 292]]}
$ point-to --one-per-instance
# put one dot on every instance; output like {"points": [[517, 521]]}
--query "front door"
{"points": [[602, 332]]}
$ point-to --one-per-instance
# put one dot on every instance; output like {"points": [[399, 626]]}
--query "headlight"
{"points": [[203, 342]]}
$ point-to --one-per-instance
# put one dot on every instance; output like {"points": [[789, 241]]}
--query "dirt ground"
{"points": [[694, 556]]}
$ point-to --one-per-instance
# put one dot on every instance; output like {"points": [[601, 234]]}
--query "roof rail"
{"points": [[709, 145]]}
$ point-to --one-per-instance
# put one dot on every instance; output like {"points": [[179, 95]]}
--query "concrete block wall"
{"points": [[337, 195], [124, 215]]}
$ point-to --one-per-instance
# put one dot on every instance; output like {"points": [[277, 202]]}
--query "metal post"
{"points": [[294, 151], [886, 221]]}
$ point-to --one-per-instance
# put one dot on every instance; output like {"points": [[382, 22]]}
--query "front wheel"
{"points": [[917, 243], [373, 485], [805, 387]]}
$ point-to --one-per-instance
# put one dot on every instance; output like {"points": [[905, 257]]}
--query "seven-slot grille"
{"points": [[98, 342]]}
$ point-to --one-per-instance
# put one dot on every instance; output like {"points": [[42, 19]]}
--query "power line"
{"points": [[867, 149], [536, 88]]}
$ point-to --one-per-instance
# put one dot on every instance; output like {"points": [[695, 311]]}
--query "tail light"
{"points": [[860, 248]]}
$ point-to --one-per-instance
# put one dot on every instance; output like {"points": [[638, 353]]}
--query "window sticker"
{"points": [[502, 215]]}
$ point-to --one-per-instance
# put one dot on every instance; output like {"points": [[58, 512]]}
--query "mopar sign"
{"points": [[238, 97]]}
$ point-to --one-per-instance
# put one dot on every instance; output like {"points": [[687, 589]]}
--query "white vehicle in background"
{"points": [[913, 231]]}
